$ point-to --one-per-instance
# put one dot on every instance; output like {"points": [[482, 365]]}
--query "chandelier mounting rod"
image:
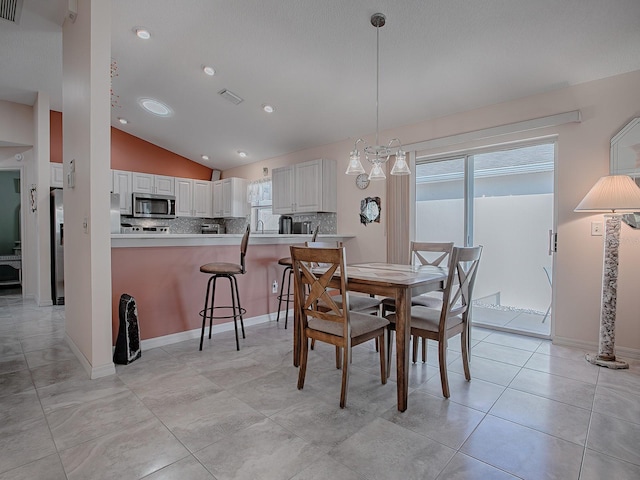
{"points": [[378, 20]]}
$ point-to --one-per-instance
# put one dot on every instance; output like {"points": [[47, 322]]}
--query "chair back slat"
{"points": [[243, 246], [310, 287], [463, 267], [419, 249]]}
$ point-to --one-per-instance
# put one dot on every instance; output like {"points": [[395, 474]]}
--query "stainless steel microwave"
{"points": [[149, 205]]}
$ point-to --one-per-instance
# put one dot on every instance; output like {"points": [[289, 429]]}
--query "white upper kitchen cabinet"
{"points": [[121, 184], [230, 198], [305, 187], [149, 183], [194, 198], [56, 175]]}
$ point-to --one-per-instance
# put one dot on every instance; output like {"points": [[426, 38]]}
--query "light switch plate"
{"points": [[596, 229]]}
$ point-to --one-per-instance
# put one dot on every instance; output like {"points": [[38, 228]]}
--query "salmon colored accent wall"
{"points": [[169, 289], [134, 154], [55, 141]]}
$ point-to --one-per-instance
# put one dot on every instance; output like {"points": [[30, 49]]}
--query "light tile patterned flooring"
{"points": [[532, 410]]}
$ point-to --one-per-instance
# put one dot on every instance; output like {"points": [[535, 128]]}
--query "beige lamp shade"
{"points": [[613, 193]]}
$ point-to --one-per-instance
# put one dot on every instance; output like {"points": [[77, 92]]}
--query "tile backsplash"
{"points": [[328, 223]]}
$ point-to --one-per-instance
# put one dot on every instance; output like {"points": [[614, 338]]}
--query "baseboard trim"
{"points": [[592, 347], [195, 333], [93, 372]]}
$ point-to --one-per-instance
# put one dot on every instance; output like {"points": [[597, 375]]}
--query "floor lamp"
{"points": [[612, 194]]}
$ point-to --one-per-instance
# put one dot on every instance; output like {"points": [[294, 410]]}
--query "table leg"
{"points": [[403, 337]]}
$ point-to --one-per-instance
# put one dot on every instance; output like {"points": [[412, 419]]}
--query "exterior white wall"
{"points": [[512, 230]]}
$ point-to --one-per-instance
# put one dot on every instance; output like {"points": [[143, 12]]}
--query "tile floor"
{"points": [[533, 410]]}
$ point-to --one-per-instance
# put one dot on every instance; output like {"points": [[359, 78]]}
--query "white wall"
{"points": [[86, 46], [17, 129], [583, 156]]}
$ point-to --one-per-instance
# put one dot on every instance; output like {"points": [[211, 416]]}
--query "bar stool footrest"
{"points": [[209, 312]]}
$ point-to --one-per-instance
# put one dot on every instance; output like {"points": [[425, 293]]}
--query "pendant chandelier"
{"points": [[378, 154]]}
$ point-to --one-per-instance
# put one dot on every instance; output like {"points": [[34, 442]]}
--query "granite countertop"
{"points": [[127, 240]]}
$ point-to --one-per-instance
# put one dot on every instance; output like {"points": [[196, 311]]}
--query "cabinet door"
{"points": [[308, 187], [122, 185], [164, 185], [184, 194], [56, 177], [227, 198], [239, 202], [142, 182], [218, 204], [202, 199], [282, 188]]}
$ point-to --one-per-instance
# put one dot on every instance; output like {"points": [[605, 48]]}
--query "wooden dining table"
{"points": [[400, 282]]}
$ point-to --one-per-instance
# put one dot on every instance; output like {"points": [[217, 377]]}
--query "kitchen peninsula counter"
{"points": [[162, 273], [132, 240]]}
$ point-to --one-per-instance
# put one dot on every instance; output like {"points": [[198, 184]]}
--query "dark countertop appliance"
{"points": [[302, 227], [211, 228], [285, 225]]}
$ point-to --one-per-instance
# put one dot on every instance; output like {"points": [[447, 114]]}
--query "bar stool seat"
{"points": [[220, 268], [229, 271]]}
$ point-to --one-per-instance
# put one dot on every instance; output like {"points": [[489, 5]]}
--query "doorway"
{"points": [[10, 233], [502, 199]]}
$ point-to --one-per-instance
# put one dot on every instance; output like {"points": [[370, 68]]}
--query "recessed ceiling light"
{"points": [[123, 121], [209, 70], [142, 33], [242, 154], [155, 107], [268, 108], [205, 157]]}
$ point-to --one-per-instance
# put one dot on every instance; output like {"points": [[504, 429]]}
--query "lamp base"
{"points": [[606, 362]]}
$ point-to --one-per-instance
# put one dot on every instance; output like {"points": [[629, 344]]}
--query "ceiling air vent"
{"points": [[11, 10], [232, 97]]}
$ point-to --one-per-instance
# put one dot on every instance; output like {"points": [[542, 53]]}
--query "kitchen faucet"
{"points": [[258, 225]]}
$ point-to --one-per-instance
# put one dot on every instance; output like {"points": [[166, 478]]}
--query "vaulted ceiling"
{"points": [[315, 63]]}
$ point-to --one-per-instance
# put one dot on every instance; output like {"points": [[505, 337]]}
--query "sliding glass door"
{"points": [[503, 200]]}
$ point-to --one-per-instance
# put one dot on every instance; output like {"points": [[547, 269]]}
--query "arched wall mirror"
{"points": [[625, 160]]}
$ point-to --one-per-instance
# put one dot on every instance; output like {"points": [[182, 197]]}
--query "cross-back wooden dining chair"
{"points": [[453, 317], [423, 253], [321, 318], [357, 303]]}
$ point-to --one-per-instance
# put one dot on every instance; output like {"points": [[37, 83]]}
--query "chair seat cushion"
{"points": [[220, 268], [286, 261], [427, 300], [360, 324], [425, 318], [358, 303]]}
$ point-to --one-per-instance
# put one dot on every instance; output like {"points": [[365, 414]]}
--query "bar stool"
{"points": [[229, 271], [287, 264]]}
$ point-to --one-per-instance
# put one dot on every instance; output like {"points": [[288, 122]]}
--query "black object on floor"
{"points": [[128, 341]]}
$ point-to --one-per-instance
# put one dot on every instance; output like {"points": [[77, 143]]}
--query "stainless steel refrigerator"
{"points": [[57, 247]]}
